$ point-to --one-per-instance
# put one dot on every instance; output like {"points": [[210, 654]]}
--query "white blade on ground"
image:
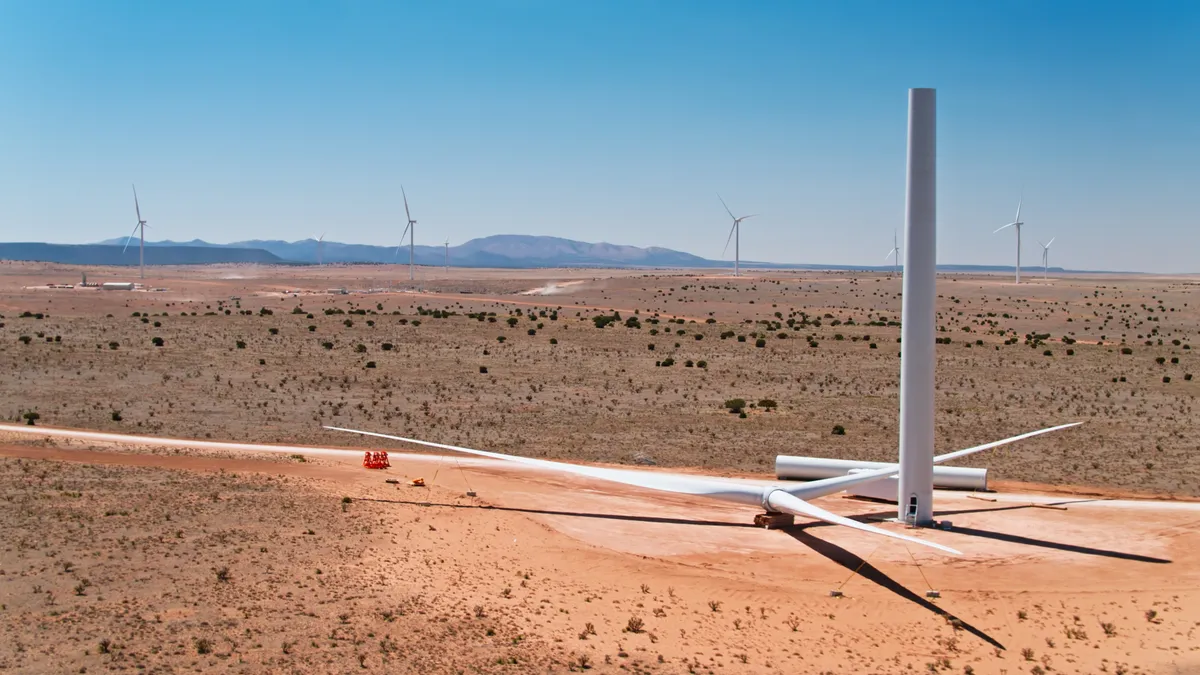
{"points": [[995, 444], [785, 503], [828, 486], [741, 493]]}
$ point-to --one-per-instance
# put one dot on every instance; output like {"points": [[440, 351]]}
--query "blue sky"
{"points": [[607, 121]]}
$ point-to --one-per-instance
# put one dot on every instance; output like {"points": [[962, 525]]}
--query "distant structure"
{"points": [[1016, 223], [915, 491], [117, 286], [735, 233], [320, 248], [411, 230], [1046, 257], [894, 252], [141, 225], [447, 256]]}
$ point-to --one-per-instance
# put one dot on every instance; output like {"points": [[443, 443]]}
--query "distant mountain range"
{"points": [[514, 251]]}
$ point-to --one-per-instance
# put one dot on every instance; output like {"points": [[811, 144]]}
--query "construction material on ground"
{"points": [[815, 468]]}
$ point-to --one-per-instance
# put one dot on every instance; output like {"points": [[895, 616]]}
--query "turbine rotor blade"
{"points": [[726, 207], [782, 501], [729, 239], [406, 213], [136, 207], [129, 238], [1018, 218], [1002, 228], [745, 217], [1051, 242]]}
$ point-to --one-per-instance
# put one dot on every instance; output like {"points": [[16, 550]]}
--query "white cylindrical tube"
{"points": [[915, 496], [789, 467]]}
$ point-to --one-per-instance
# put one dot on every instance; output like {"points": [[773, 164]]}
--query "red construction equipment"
{"points": [[376, 460]]}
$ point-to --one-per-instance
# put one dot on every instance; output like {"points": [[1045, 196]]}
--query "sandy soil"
{"points": [[173, 559], [572, 390]]}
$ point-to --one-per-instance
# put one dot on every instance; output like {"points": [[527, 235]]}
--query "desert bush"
{"points": [[767, 403], [531, 331], [114, 344], [499, 338], [31, 417], [387, 346], [25, 339], [360, 348], [634, 625], [839, 430], [1166, 379], [735, 405], [327, 344], [741, 338], [704, 364], [553, 341], [1160, 360], [156, 341], [348, 323], [668, 362], [483, 370], [689, 363], [273, 331], [512, 321], [222, 573], [1126, 350], [203, 646], [650, 346], [240, 344], [370, 364], [760, 343]]}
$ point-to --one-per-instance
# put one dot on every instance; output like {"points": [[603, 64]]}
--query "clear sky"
{"points": [[609, 121]]}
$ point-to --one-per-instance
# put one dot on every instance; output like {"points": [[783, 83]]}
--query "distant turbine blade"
{"points": [[1006, 226], [129, 238], [745, 217], [1051, 241], [729, 239], [135, 203], [406, 213], [889, 254], [726, 208]]}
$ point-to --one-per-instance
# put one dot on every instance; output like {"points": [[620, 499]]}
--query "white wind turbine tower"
{"points": [[447, 256], [141, 225], [735, 234], [1046, 257], [320, 248], [894, 252], [1016, 223], [411, 231]]}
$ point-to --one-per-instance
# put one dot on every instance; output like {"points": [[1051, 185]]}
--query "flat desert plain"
{"points": [[166, 558]]}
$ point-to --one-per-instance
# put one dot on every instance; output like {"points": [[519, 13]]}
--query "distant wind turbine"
{"points": [[411, 231], [447, 256], [320, 248], [1046, 257], [896, 252], [141, 225], [735, 234], [1016, 223]]}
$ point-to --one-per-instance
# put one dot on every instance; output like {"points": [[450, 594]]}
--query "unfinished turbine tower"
{"points": [[735, 233], [411, 231], [915, 491], [141, 225]]}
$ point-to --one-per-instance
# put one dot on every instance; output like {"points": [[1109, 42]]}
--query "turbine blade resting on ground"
{"points": [[778, 498]]}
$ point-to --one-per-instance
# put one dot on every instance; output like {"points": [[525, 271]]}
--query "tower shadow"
{"points": [[866, 570]]}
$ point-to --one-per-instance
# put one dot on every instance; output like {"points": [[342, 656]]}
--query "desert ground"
{"points": [[204, 559]]}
